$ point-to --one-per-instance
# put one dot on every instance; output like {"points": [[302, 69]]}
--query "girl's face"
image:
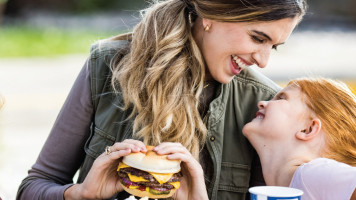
{"points": [[228, 48], [279, 119]]}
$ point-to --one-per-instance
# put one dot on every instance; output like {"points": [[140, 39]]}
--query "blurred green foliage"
{"points": [[28, 42], [16, 7], [97, 5]]}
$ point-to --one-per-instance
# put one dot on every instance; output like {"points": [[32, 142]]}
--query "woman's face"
{"points": [[228, 48], [279, 119]]}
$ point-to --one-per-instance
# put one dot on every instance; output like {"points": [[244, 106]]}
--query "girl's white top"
{"points": [[325, 179]]}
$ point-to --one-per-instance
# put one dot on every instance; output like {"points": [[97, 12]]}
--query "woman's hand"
{"points": [[192, 183], [102, 181]]}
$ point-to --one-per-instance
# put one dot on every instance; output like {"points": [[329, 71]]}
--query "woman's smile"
{"points": [[229, 48], [238, 64]]}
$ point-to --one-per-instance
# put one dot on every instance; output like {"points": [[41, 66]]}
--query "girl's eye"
{"points": [[257, 39], [274, 47], [279, 97]]}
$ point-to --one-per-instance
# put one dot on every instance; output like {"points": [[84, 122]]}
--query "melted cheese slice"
{"points": [[161, 178], [134, 178], [176, 185], [122, 165], [133, 187]]}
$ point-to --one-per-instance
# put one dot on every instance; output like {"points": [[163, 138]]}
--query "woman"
{"points": [[181, 76], [305, 137]]}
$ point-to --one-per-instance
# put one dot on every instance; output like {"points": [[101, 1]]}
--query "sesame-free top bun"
{"points": [[152, 162]]}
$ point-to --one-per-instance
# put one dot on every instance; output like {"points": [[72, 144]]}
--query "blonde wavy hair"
{"points": [[162, 75], [335, 104]]}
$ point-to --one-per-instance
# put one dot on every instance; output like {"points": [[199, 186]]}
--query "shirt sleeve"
{"points": [[63, 152]]}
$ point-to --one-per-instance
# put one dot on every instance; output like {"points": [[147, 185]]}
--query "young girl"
{"points": [[306, 139]]}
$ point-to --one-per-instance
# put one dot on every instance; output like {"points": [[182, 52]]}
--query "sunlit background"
{"points": [[44, 44]]}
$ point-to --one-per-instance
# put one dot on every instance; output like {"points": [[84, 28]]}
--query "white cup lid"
{"points": [[276, 191]]}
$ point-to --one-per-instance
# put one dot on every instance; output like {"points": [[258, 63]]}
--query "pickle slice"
{"points": [[156, 192]]}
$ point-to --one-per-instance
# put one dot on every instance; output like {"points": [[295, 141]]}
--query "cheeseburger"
{"points": [[149, 174]]}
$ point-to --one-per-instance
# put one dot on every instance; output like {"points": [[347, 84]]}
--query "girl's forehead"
{"points": [[291, 90]]}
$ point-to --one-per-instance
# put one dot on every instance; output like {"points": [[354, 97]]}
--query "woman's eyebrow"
{"points": [[262, 34]]}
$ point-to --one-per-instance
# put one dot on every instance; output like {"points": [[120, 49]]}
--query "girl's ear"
{"points": [[311, 131]]}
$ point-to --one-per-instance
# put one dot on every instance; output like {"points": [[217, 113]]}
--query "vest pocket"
{"points": [[234, 177], [94, 146], [97, 142]]}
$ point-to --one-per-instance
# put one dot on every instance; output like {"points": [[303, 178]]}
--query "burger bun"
{"points": [[152, 162]]}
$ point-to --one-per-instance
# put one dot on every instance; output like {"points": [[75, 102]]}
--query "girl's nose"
{"points": [[262, 104]]}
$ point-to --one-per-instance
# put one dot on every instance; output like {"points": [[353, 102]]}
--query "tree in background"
{"points": [[322, 11], [18, 7], [2, 8]]}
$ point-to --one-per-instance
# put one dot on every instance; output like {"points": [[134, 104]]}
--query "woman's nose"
{"points": [[261, 57]]}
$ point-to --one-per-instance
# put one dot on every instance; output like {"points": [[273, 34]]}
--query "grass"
{"points": [[29, 42]]}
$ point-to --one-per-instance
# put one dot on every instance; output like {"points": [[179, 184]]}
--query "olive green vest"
{"points": [[230, 152]]}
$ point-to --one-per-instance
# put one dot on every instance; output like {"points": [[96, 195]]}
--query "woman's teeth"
{"points": [[239, 62]]}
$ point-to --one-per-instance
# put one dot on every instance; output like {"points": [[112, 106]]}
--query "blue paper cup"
{"points": [[275, 193]]}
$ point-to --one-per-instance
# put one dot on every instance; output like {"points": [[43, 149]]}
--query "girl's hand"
{"points": [[192, 183], [102, 181]]}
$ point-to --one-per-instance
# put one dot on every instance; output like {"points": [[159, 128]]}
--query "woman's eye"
{"points": [[257, 39], [274, 47]]}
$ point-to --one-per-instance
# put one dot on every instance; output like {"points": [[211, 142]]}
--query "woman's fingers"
{"points": [[118, 154], [179, 156], [170, 148], [191, 164], [133, 145], [176, 151], [137, 143], [120, 149]]}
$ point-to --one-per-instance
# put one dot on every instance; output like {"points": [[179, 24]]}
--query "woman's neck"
{"points": [[279, 166]]}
